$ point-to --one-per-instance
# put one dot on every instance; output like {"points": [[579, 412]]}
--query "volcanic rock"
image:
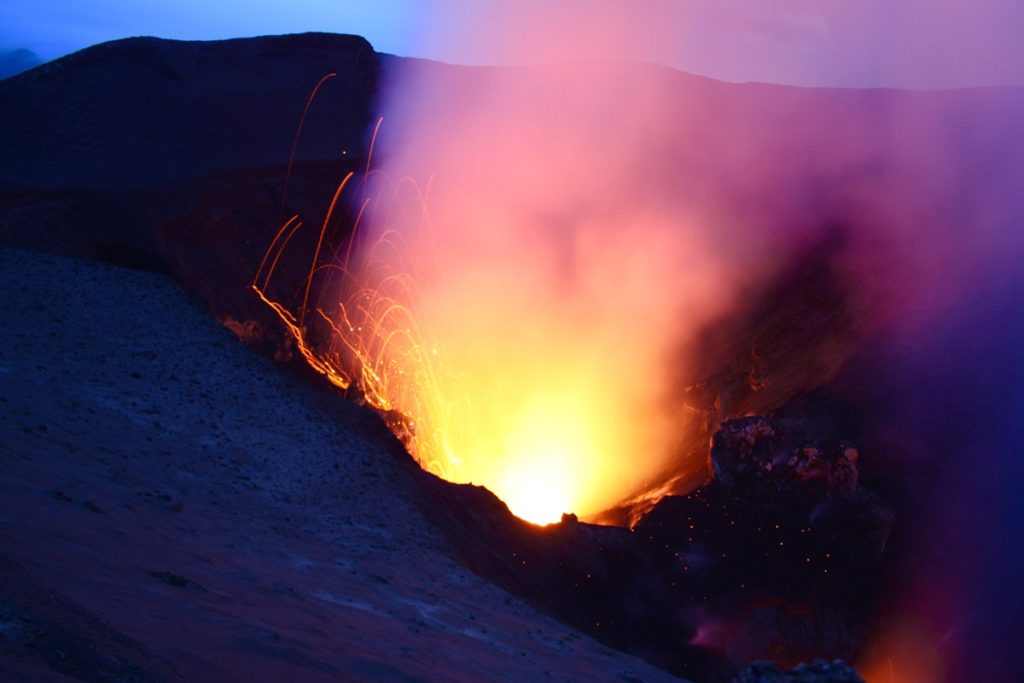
{"points": [[43, 634], [770, 461], [779, 556], [298, 552], [777, 559], [818, 671], [774, 462], [600, 579]]}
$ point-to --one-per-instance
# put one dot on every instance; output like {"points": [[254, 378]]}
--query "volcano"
{"points": [[188, 499]]}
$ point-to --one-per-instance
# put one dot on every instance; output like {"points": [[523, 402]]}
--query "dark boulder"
{"points": [[777, 462], [779, 557], [772, 461]]}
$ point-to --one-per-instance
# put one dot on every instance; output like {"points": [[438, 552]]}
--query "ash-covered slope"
{"points": [[173, 507]]}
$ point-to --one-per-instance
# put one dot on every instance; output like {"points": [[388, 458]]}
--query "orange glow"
{"points": [[530, 420], [512, 297], [521, 401], [906, 652]]}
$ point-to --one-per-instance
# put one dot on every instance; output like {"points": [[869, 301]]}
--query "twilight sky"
{"points": [[897, 43]]}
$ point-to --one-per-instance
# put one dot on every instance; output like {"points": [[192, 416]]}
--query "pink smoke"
{"points": [[597, 214]]}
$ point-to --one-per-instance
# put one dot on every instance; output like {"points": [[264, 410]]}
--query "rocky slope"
{"points": [[173, 507], [176, 506]]}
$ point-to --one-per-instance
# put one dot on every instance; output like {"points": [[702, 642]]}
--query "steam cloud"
{"points": [[566, 276], [589, 220]]}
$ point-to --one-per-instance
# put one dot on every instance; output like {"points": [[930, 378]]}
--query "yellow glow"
{"points": [[521, 405], [542, 453], [536, 492], [490, 374]]}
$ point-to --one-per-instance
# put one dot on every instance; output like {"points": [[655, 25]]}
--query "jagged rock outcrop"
{"points": [[779, 556], [776, 463]]}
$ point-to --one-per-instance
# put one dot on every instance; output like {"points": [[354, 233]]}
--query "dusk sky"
{"points": [[892, 43]]}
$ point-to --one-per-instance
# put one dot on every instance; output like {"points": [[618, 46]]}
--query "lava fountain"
{"points": [[533, 252], [520, 352], [539, 253], [514, 293]]}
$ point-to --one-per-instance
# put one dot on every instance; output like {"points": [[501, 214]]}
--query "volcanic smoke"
{"points": [[553, 265], [553, 283], [539, 251]]}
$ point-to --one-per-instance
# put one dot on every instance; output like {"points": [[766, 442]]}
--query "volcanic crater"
{"points": [[178, 506]]}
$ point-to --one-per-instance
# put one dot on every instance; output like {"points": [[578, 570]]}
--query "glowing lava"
{"points": [[509, 298], [486, 381], [546, 458]]}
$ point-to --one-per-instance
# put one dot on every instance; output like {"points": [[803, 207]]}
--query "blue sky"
{"points": [[900, 43]]}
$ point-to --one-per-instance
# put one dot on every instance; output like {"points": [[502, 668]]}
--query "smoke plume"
{"points": [[583, 230]]}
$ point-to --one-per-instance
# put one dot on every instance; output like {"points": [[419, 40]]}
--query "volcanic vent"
{"points": [[539, 358], [590, 271]]}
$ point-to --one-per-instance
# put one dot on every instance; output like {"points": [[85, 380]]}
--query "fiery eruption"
{"points": [[549, 259], [517, 286], [487, 372], [520, 282]]}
